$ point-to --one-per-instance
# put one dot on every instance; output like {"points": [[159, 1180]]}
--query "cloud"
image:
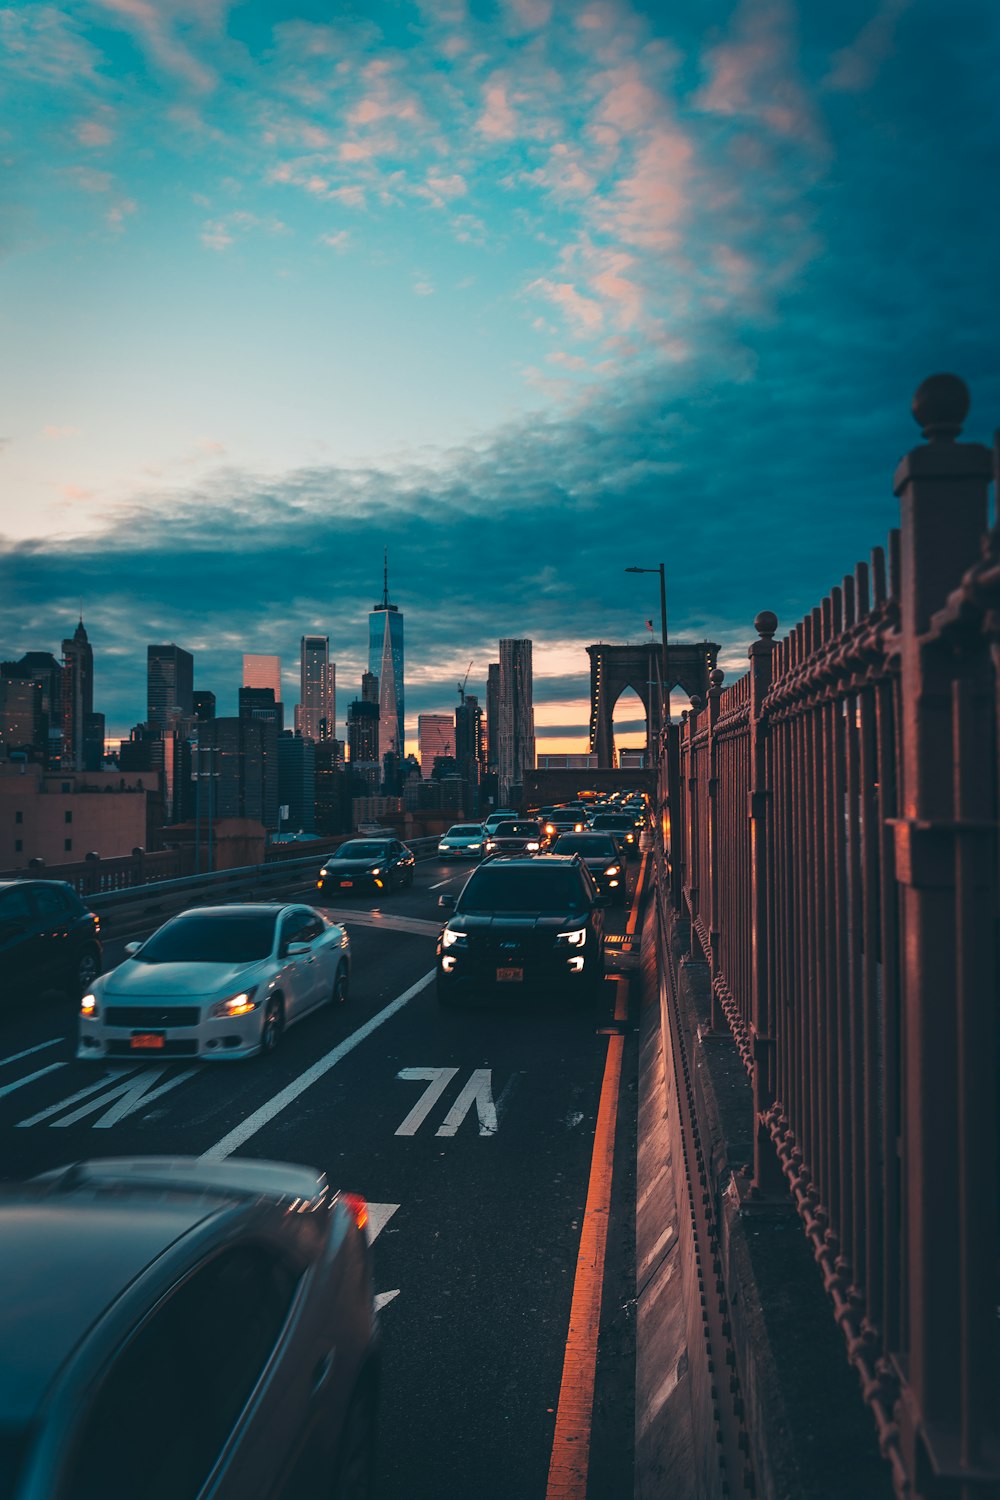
{"points": [[497, 121], [856, 67], [755, 75], [94, 133], [583, 313], [152, 25]]}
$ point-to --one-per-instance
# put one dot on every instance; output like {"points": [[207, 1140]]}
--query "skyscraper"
{"points": [[263, 672], [435, 736], [516, 715], [492, 714], [315, 717], [77, 696], [385, 660], [169, 685]]}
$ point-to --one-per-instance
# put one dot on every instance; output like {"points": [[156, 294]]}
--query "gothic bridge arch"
{"points": [[615, 668]]}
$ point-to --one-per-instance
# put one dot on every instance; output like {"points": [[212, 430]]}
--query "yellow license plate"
{"points": [[510, 976], [141, 1040]]}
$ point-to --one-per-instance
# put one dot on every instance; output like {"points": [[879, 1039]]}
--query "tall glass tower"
{"points": [[385, 660]]}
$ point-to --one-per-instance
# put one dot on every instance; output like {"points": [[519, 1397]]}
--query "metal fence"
{"points": [[832, 830]]}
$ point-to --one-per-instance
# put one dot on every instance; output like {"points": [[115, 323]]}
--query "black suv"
{"points": [[48, 939], [531, 922]]}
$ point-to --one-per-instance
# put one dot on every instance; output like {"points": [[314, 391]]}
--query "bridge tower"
{"points": [[615, 668]]}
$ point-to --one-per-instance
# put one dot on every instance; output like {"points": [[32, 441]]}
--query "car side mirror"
{"points": [[131, 949], [296, 950], [447, 901]]}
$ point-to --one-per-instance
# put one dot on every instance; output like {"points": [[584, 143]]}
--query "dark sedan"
{"points": [[367, 865], [624, 824], [531, 923], [49, 940], [171, 1328], [514, 838], [603, 856]]}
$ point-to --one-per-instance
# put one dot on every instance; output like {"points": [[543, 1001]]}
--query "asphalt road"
{"points": [[470, 1133]]}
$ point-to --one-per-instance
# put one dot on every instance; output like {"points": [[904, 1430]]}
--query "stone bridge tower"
{"points": [[615, 668]]}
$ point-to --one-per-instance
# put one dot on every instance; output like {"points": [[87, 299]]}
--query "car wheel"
{"points": [[87, 968], [341, 987], [354, 1465], [273, 1026]]}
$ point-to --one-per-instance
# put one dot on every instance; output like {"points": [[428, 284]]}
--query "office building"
{"points": [[435, 737], [363, 742], [492, 714], [316, 714], [385, 661], [263, 672], [369, 687], [229, 761], [297, 782], [77, 697], [38, 700], [169, 686], [204, 704], [469, 748], [516, 718]]}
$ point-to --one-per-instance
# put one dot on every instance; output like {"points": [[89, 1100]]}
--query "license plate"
{"points": [[143, 1040], [345, 885], [510, 976]]}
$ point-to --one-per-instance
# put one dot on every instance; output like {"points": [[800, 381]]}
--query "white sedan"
{"points": [[462, 841], [219, 982]]}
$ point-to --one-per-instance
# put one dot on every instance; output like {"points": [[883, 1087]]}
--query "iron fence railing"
{"points": [[832, 824]]}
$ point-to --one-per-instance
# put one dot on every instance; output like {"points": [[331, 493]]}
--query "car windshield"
{"points": [[237, 937], [590, 846], [496, 887], [463, 831], [360, 850], [613, 820], [516, 831]]}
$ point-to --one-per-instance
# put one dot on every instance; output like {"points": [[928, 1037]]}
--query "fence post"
{"points": [[942, 488], [768, 1177]]}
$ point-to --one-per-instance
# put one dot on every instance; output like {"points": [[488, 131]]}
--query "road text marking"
{"points": [[249, 1127], [437, 1080], [477, 1091]]}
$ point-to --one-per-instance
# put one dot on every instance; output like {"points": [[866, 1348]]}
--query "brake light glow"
{"points": [[356, 1207]]}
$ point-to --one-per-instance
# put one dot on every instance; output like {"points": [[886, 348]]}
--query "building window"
{"points": [[67, 845], [18, 846], [19, 816], [68, 817]]}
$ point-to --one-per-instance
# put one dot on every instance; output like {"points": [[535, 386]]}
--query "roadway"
{"points": [[470, 1133]]}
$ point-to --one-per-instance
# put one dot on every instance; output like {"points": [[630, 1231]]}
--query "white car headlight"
{"points": [[240, 1004], [89, 1008], [532, 846], [574, 939]]}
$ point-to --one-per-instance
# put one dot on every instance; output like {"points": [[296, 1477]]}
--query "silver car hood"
{"points": [[134, 980]]}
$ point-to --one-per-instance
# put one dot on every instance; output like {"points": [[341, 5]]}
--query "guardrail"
{"points": [[154, 902]]}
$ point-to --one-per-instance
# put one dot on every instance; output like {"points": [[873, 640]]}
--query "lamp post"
{"points": [[664, 678]]}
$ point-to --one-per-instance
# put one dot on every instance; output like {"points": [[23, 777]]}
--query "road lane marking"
{"points": [[478, 1091], [19, 1083], [53, 1109], [16, 1056], [249, 1127], [443, 882], [382, 1299], [379, 1215], [135, 1095], [437, 1080], [570, 1459]]}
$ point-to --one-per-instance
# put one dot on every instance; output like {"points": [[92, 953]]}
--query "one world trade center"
{"points": [[385, 660]]}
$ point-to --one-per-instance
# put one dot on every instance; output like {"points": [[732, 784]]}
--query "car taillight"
{"points": [[356, 1207]]}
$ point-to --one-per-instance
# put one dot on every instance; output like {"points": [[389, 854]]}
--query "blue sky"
{"points": [[525, 291]]}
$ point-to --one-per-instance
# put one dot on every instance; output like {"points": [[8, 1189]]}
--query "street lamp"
{"points": [[664, 677]]}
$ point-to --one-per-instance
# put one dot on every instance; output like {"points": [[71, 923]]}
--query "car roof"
{"points": [[75, 1240], [6, 885]]}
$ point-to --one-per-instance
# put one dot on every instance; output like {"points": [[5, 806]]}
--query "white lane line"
{"points": [[383, 1298], [16, 1057], [443, 882], [478, 1091], [30, 1078], [379, 1215], [267, 1112], [53, 1109]]}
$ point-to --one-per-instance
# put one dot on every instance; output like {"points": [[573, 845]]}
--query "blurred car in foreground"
{"points": [[367, 865], [462, 841], [523, 923], [173, 1328], [516, 837], [48, 939], [218, 982], [604, 858]]}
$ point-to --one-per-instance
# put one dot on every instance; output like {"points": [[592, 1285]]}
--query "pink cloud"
{"points": [[93, 133], [583, 312], [497, 121], [650, 202], [152, 25], [755, 74], [856, 67]]}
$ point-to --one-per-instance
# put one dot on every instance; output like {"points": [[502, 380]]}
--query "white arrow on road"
{"points": [[379, 1215]]}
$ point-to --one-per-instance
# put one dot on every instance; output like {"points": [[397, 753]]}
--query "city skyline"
{"points": [[529, 293]]}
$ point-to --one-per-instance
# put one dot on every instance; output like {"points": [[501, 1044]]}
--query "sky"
{"points": [[526, 291]]}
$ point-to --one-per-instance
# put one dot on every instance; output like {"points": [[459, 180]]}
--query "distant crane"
{"points": [[461, 685]]}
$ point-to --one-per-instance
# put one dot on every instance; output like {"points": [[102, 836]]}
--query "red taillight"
{"points": [[356, 1207]]}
